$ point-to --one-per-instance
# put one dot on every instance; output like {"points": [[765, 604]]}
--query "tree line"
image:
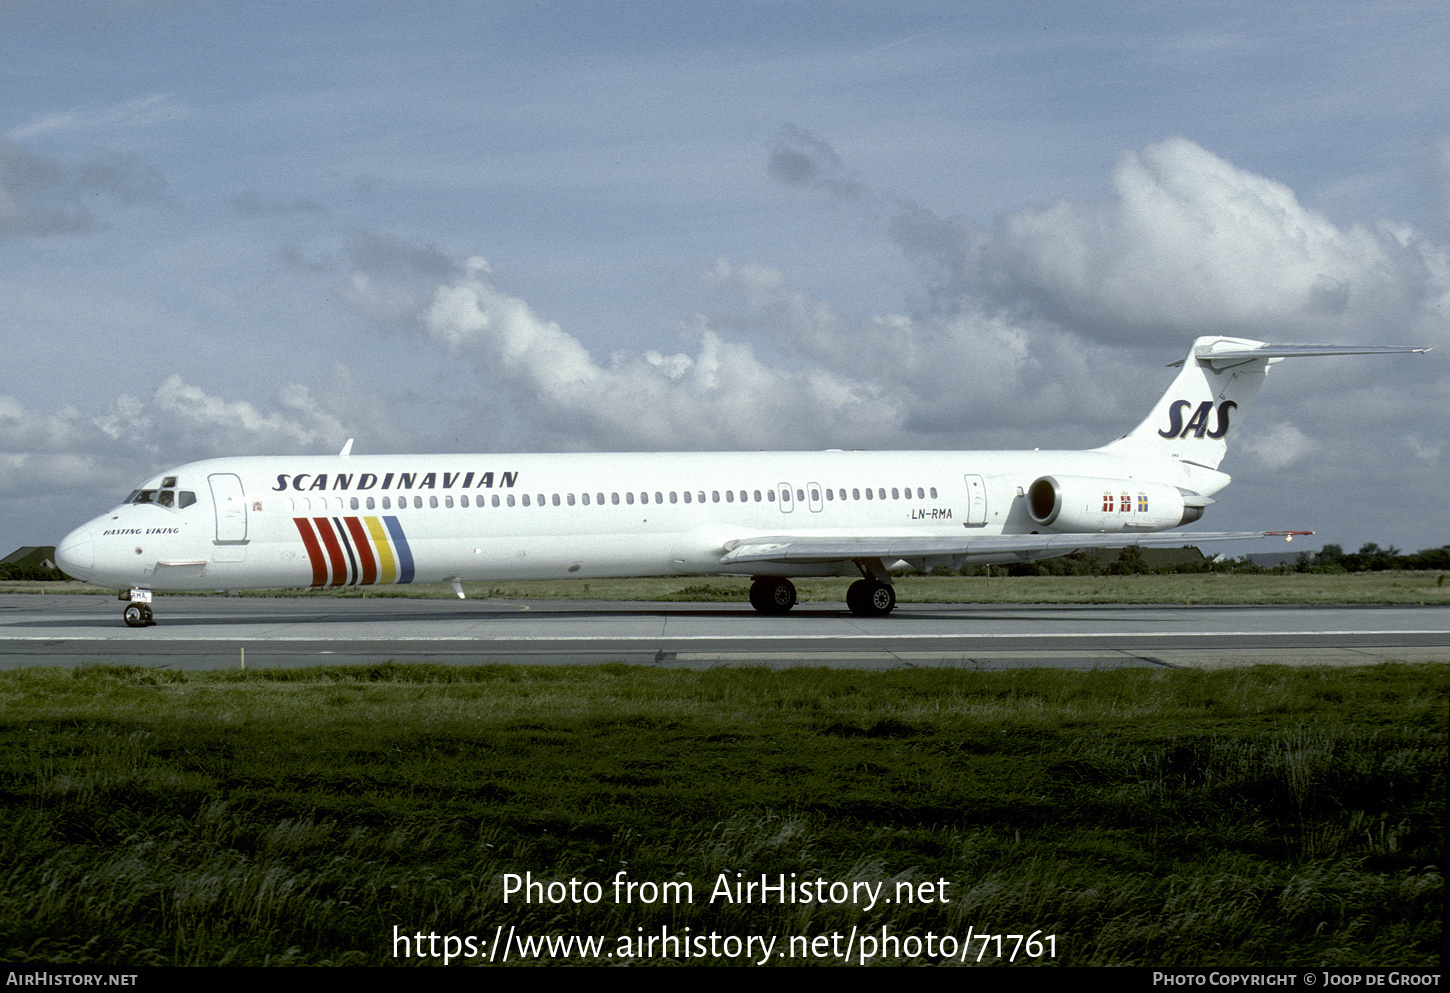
{"points": [[1160, 561]]}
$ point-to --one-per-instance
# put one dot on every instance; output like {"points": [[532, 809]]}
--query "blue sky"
{"points": [[268, 228]]}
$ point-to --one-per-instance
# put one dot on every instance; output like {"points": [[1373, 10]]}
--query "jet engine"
{"points": [[1088, 504]]}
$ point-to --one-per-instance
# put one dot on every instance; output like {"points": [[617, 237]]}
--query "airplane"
{"points": [[362, 520]]}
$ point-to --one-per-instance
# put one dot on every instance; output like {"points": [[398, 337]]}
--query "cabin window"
{"points": [[674, 497], [585, 498], [815, 495], [687, 496], [463, 500], [714, 496], [869, 495], [614, 498], [433, 502], [757, 496], [729, 496], [571, 499], [541, 499], [526, 500], [629, 498], [354, 503], [830, 494], [800, 496], [895, 495], [770, 496], [556, 500], [644, 498], [495, 500], [511, 500], [659, 497]]}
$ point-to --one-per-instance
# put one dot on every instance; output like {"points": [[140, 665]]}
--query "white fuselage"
{"points": [[298, 521]]}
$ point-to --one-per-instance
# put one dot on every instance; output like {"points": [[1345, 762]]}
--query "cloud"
{"points": [[135, 436], [800, 158], [249, 204], [144, 111], [1188, 244], [40, 197], [1192, 244], [1440, 165], [1276, 446], [716, 394]]}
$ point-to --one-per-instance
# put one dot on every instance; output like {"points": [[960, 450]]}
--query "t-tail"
{"points": [[1218, 383]]}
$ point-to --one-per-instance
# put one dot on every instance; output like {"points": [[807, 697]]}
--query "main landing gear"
{"points": [[869, 597], [772, 595], [138, 612]]}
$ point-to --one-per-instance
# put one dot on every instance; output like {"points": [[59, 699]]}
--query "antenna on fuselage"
{"points": [[346, 449]]}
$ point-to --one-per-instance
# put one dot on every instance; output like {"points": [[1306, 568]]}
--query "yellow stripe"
{"points": [[387, 568]]}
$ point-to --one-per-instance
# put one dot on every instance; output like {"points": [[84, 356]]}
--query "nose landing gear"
{"points": [[138, 612]]}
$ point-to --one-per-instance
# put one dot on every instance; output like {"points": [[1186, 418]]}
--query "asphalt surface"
{"points": [[227, 632]]}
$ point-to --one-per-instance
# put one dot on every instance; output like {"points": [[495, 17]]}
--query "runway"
{"points": [[226, 632]]}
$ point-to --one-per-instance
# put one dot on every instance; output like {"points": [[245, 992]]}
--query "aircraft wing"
{"points": [[889, 548]]}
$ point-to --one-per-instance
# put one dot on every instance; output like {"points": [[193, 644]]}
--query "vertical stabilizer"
{"points": [[1191, 422], [1219, 380]]}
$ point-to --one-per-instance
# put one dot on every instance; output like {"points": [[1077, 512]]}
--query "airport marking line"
{"points": [[853, 636]]}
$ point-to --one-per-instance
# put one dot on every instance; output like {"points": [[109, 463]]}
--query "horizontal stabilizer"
{"points": [[1219, 354]]}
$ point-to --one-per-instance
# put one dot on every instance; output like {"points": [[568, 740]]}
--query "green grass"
{"points": [[1388, 587], [1255, 816]]}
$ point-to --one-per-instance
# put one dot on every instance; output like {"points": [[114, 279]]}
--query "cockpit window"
{"points": [[166, 497]]}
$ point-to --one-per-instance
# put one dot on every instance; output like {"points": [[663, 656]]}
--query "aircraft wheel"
{"points": [[869, 598], [772, 596], [135, 616]]}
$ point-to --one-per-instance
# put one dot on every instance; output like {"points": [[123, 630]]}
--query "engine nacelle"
{"points": [[1088, 504]]}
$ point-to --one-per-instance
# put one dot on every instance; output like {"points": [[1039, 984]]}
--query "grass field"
{"points": [[1255, 816], [1393, 587]]}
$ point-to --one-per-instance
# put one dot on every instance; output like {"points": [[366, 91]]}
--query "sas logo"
{"points": [[1198, 423]]}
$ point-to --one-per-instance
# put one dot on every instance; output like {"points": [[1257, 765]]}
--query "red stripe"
{"points": [[364, 550], [334, 551], [314, 551]]}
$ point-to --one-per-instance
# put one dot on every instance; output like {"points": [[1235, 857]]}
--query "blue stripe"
{"points": [[405, 554]]}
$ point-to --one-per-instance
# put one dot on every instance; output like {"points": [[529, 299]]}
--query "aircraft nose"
{"points": [[76, 554]]}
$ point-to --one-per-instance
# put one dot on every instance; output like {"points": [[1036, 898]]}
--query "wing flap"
{"points": [[819, 549]]}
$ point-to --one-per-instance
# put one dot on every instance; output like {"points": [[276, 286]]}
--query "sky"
{"points": [[503, 227]]}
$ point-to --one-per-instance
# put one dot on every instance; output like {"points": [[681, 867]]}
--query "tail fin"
{"points": [[1220, 378]]}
